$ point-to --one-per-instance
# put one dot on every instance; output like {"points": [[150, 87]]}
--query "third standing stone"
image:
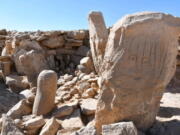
{"points": [[46, 90]]}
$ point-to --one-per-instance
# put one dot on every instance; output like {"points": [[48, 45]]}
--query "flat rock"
{"points": [[62, 111], [73, 121], [88, 106]]}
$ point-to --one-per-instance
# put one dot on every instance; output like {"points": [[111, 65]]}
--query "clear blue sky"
{"points": [[72, 14]]}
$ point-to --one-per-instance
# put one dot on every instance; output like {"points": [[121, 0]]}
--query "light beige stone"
{"points": [[50, 128], [33, 125], [88, 106], [138, 63], [73, 121], [46, 90], [20, 109], [98, 34], [9, 127], [121, 128], [17, 83], [62, 111]]}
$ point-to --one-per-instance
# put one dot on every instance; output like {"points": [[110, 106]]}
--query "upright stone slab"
{"points": [[46, 90], [98, 38], [139, 61]]}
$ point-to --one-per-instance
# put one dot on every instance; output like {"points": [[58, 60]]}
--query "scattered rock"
{"points": [[50, 128], [17, 83], [32, 126], [122, 128], [9, 127], [88, 130], [64, 110], [20, 109], [73, 121]]}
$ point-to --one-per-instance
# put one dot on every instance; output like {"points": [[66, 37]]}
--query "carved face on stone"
{"points": [[139, 57]]}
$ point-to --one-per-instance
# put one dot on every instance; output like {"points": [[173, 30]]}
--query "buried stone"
{"points": [[135, 65]]}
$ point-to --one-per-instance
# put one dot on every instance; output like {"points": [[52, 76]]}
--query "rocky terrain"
{"points": [[91, 82]]}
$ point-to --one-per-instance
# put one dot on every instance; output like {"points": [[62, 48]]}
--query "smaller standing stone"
{"points": [[46, 90]]}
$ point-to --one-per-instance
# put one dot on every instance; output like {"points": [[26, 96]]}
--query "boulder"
{"points": [[32, 126], [137, 63], [121, 128], [82, 51], [20, 109], [32, 63], [88, 64], [17, 83], [50, 128], [9, 127], [46, 90]]}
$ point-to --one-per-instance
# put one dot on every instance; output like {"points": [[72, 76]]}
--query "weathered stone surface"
{"points": [[17, 62], [79, 35], [139, 61], [63, 110], [20, 109], [122, 128], [98, 38], [82, 51], [27, 93], [50, 128], [33, 125], [29, 45], [73, 121], [9, 127], [33, 62], [88, 65], [66, 131], [7, 50], [88, 130], [17, 83], [53, 42], [46, 90], [88, 106], [6, 67]]}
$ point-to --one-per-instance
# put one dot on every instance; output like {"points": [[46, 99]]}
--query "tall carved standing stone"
{"points": [[138, 62], [46, 90]]}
